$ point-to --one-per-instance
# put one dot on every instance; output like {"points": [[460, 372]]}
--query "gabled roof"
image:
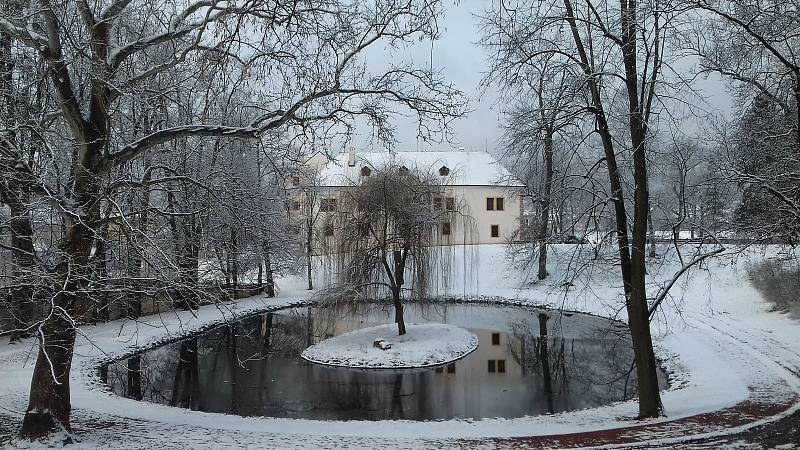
{"points": [[466, 168]]}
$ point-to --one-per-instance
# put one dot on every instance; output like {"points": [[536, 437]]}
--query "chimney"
{"points": [[351, 157]]}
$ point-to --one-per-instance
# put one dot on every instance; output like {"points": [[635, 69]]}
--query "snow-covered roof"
{"points": [[465, 168]]}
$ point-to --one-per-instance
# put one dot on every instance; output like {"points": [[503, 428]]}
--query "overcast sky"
{"points": [[463, 63]]}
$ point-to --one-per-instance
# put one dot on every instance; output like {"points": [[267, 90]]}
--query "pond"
{"points": [[253, 367]]}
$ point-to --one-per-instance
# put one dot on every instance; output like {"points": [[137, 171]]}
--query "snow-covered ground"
{"points": [[733, 362], [424, 345]]}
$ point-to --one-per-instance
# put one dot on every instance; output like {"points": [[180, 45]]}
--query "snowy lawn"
{"points": [[733, 364], [423, 345]]}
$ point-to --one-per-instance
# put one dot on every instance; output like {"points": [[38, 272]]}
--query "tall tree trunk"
{"points": [[234, 257], [544, 218], [101, 257], [49, 402], [309, 256], [631, 260], [638, 310], [23, 264], [270, 286], [652, 234], [15, 190]]}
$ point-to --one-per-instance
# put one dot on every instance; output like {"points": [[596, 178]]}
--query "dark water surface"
{"points": [[253, 367]]}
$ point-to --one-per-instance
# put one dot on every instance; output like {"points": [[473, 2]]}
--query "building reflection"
{"points": [[523, 366]]}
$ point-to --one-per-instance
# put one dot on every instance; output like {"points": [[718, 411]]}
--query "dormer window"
{"points": [[444, 171], [403, 170], [366, 171]]}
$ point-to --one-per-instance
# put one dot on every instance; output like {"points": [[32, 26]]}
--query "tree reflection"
{"points": [[135, 377], [253, 368], [186, 386]]}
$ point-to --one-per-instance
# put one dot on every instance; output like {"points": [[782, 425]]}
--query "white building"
{"points": [[482, 189]]}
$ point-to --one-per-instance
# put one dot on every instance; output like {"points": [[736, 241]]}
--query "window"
{"points": [[446, 229], [451, 368], [450, 204], [496, 366], [295, 230], [444, 171], [437, 203], [295, 206], [495, 338], [495, 204], [327, 205], [366, 171], [403, 170], [327, 230], [495, 230], [439, 370], [296, 180]]}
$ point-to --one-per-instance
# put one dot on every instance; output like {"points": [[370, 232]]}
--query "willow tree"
{"points": [[394, 220], [302, 68]]}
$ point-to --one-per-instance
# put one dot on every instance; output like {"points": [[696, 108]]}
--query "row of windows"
{"points": [[449, 203], [366, 171], [327, 230], [495, 204], [496, 366]]}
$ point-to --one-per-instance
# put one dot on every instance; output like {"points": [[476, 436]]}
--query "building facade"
{"points": [[480, 200]]}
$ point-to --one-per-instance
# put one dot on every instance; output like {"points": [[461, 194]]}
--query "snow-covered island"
{"points": [[379, 347]]}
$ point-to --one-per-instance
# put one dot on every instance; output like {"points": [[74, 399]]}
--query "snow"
{"points": [[423, 345], [467, 168], [721, 342]]}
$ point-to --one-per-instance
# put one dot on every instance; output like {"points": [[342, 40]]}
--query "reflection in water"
{"points": [[528, 363]]}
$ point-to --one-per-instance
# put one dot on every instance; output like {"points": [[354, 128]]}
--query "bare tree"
{"points": [[545, 112], [755, 46], [617, 49], [308, 60]]}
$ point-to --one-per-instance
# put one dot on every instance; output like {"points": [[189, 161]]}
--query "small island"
{"points": [[379, 347]]}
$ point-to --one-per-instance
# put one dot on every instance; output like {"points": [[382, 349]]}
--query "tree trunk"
{"points": [[270, 286], [398, 311], [638, 311], [15, 191], [651, 232], [23, 270], [544, 218], [234, 257], [399, 268], [309, 257], [100, 313], [49, 403]]}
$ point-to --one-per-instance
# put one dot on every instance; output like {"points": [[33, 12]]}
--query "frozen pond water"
{"points": [[253, 367]]}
